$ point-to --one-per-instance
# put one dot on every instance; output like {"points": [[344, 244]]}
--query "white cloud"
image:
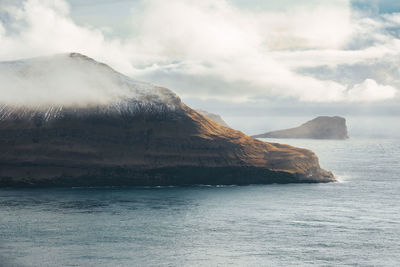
{"points": [[392, 19], [43, 27], [43, 82], [2, 30], [369, 91], [250, 54], [325, 25]]}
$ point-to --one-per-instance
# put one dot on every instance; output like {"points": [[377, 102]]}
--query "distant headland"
{"points": [[81, 123], [322, 127]]}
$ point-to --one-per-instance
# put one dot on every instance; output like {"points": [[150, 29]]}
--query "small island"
{"points": [[322, 127]]}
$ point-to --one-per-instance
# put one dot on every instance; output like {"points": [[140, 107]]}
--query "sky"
{"points": [[238, 58]]}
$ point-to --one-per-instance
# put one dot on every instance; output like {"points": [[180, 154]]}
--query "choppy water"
{"points": [[355, 222]]}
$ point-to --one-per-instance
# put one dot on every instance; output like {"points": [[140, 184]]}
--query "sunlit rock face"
{"points": [[322, 127], [68, 120]]}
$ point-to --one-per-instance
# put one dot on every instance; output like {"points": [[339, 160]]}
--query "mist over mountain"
{"points": [[133, 133], [72, 80], [99, 127]]}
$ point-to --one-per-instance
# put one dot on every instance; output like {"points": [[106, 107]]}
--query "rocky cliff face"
{"points": [[139, 135], [319, 128], [215, 117]]}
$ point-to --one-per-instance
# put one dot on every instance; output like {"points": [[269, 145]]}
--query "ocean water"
{"points": [[355, 222]]}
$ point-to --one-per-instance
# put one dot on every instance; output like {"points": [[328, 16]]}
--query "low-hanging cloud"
{"points": [[58, 80], [212, 49], [369, 91]]}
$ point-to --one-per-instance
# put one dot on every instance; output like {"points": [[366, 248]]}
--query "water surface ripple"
{"points": [[355, 222]]}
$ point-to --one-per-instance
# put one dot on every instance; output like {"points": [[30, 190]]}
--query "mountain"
{"points": [[215, 117], [67, 120], [322, 127]]}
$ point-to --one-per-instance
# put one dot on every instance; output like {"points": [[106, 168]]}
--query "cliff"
{"points": [[322, 127], [138, 135], [215, 117]]}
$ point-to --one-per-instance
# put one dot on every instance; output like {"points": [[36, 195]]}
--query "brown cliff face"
{"points": [[137, 142], [322, 127]]}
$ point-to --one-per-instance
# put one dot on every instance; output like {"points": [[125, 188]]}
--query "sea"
{"points": [[354, 222]]}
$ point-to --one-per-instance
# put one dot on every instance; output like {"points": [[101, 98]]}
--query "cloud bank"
{"points": [[59, 80], [214, 49]]}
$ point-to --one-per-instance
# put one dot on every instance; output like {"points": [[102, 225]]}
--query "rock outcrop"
{"points": [[141, 135], [322, 127], [215, 117]]}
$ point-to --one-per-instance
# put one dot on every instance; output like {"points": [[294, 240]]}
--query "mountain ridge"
{"points": [[151, 138]]}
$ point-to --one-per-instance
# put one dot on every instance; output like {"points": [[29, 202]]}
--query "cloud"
{"points": [[43, 27], [213, 49], [309, 26], [58, 80], [370, 91], [392, 19]]}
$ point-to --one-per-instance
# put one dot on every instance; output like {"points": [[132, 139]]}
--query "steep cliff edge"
{"points": [[136, 134], [322, 127], [215, 117]]}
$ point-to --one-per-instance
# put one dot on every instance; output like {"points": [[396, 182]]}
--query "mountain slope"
{"points": [[215, 117], [322, 127], [125, 133]]}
